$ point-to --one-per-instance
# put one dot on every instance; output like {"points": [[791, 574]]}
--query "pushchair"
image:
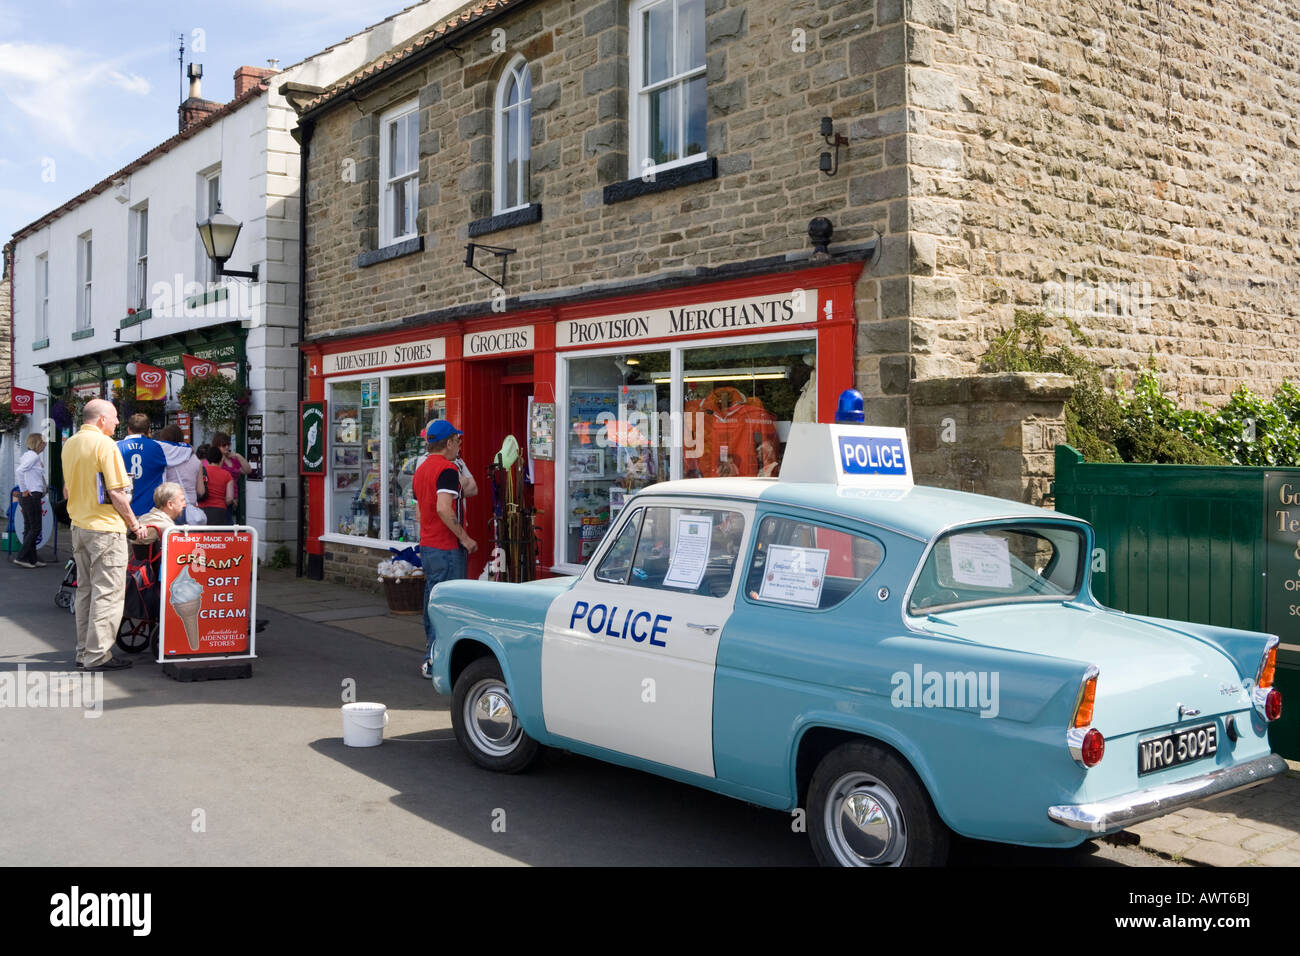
{"points": [[140, 606], [66, 596]]}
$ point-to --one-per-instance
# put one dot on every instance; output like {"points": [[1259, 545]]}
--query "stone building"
{"points": [[653, 168]]}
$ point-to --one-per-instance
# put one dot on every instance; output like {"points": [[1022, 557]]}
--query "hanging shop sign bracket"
{"points": [[500, 252]]}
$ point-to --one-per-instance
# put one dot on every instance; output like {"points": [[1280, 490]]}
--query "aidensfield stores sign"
{"points": [[386, 356], [764, 313]]}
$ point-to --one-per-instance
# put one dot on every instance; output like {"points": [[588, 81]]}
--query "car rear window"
{"points": [[1000, 564]]}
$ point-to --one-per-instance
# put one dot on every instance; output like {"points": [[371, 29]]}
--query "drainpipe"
{"points": [[303, 146]]}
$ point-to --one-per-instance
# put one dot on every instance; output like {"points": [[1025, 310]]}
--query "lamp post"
{"points": [[219, 233]]}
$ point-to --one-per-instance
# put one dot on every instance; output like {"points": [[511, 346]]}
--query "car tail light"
{"points": [[1273, 705], [1266, 667], [1094, 748], [1087, 697]]}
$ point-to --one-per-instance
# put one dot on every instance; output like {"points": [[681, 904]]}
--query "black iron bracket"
{"points": [[500, 252]]}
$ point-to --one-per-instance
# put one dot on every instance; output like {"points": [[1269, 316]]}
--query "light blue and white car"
{"points": [[902, 662]]}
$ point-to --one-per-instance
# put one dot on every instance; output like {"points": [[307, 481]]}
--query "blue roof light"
{"points": [[849, 411]]}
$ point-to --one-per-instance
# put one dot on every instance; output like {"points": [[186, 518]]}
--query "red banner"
{"points": [[196, 367], [208, 581], [150, 383], [22, 401]]}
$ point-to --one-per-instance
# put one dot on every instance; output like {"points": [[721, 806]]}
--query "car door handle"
{"points": [[709, 629]]}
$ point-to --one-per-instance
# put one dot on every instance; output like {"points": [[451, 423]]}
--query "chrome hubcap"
{"points": [[490, 718], [864, 823]]}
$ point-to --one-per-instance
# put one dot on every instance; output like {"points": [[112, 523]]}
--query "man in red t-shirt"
{"points": [[444, 545]]}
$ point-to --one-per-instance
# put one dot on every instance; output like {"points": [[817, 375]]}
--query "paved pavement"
{"points": [[276, 785]]}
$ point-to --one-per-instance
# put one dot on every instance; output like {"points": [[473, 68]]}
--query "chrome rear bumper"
{"points": [[1129, 808]]}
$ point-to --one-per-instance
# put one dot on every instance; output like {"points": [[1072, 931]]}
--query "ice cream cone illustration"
{"points": [[185, 598]]}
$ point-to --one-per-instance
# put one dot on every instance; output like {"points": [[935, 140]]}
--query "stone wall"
{"points": [[989, 434], [774, 68], [354, 566], [1131, 164]]}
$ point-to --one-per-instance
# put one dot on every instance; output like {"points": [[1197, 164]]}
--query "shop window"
{"points": [[513, 135], [738, 402], [619, 439], [413, 401], [688, 550], [667, 96], [356, 425], [369, 479], [801, 564]]}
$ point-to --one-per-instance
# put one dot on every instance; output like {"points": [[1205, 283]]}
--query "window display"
{"points": [[354, 474], [362, 412], [732, 406], [737, 406], [413, 402], [616, 444]]}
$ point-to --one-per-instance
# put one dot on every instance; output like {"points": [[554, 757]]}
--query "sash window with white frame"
{"points": [[85, 275], [209, 201], [399, 164], [42, 297], [513, 133], [138, 258], [667, 101]]}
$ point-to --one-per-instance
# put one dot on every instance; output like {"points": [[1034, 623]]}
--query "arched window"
{"points": [[513, 132]]}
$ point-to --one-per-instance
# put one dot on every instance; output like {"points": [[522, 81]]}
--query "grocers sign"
{"points": [[311, 438], [209, 582]]}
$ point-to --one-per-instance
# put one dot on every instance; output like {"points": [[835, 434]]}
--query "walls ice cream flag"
{"points": [[196, 367], [150, 383], [22, 401]]}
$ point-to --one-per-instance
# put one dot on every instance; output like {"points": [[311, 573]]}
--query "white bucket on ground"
{"points": [[363, 724]]}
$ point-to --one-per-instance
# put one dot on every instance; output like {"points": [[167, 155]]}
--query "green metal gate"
{"points": [[1211, 545]]}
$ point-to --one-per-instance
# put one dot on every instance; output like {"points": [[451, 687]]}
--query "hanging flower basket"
{"points": [[219, 401]]}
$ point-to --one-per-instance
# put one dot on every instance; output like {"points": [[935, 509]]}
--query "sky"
{"points": [[87, 86]]}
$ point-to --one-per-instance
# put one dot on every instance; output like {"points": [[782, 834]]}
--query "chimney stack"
{"points": [[195, 108], [247, 77]]}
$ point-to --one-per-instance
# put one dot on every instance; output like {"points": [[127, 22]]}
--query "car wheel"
{"points": [[867, 808], [483, 717]]}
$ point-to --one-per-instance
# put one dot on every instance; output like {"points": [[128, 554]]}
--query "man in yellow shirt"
{"points": [[98, 490]]}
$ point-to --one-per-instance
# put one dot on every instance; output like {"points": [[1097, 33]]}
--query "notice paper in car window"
{"points": [[690, 553], [980, 560], [794, 575]]}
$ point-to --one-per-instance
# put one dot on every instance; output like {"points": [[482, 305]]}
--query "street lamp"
{"points": [[219, 233]]}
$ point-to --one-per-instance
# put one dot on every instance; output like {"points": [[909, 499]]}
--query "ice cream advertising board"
{"points": [[209, 596]]}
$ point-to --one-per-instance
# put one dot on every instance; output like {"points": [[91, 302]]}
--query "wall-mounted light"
{"points": [[219, 233], [832, 139]]}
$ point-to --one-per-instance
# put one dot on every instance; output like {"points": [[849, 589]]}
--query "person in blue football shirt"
{"points": [[145, 462]]}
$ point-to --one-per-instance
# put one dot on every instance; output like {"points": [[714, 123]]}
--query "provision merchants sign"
{"points": [[763, 313]]}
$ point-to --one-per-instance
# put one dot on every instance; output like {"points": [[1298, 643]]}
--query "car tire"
{"points": [[483, 717], [866, 807]]}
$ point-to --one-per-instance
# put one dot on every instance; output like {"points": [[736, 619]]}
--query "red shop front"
{"points": [[604, 397]]}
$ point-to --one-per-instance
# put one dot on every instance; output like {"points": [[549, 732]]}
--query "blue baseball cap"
{"points": [[440, 430]]}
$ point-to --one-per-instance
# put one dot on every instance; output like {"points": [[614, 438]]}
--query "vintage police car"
{"points": [[900, 661]]}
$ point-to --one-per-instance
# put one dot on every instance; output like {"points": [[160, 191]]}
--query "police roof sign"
{"points": [[860, 456]]}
